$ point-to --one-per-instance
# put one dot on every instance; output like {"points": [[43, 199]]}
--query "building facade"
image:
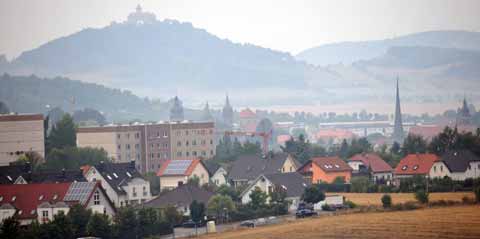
{"points": [[20, 134], [150, 145]]}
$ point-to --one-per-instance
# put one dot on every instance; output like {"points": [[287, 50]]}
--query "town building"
{"points": [[373, 165], [326, 170], [181, 197], [457, 165], [177, 172], [20, 133], [218, 174], [248, 120], [122, 182], [247, 168], [293, 184], [150, 145], [227, 115], [414, 164], [41, 202]]}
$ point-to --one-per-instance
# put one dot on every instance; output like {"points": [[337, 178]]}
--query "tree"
{"points": [[339, 180], [359, 184], [229, 191], [61, 227], [79, 216], [220, 206], [395, 149], [414, 144], [278, 195], [72, 158], [197, 211], [10, 228], [154, 181], [100, 226], [63, 134], [33, 158], [126, 223], [88, 114], [343, 151], [359, 146], [312, 194], [3, 108], [148, 220], [386, 201], [300, 149], [421, 196], [195, 180], [258, 199], [172, 216]]}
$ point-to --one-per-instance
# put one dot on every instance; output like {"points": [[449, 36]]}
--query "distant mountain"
{"points": [[349, 52]]}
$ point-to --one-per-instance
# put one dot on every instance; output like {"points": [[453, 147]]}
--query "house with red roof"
{"points": [[326, 169], [414, 164], [248, 120], [372, 164], [41, 202], [457, 165], [173, 173]]}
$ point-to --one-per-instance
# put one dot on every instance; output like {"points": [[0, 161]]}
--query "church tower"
{"points": [[176, 110], [463, 115], [206, 115], [227, 114], [398, 134]]}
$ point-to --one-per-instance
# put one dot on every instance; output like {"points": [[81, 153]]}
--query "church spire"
{"points": [[463, 115], [207, 116], [227, 113], [398, 133], [176, 110]]}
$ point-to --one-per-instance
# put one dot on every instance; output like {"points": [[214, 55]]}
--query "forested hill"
{"points": [[31, 94]]}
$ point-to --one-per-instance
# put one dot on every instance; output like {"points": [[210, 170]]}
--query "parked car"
{"points": [[305, 213], [191, 224], [247, 223]]}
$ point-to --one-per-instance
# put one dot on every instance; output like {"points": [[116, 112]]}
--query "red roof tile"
{"points": [[247, 113], [414, 164], [28, 196], [186, 171], [331, 164], [373, 161]]}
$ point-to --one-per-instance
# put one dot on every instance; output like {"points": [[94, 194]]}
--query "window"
{"points": [[187, 154], [40, 198], [415, 167], [186, 143], [211, 141], [204, 153], [194, 153], [434, 169], [469, 167], [137, 146], [134, 192], [44, 216], [96, 198], [158, 155], [158, 146], [165, 145], [145, 190], [165, 134], [441, 168], [404, 167], [211, 152], [128, 136], [186, 132], [128, 146], [119, 146], [118, 136], [179, 143], [137, 135], [179, 153], [194, 142], [291, 169], [165, 155]]}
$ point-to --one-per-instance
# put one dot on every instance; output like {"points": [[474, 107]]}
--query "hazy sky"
{"points": [[282, 25]]}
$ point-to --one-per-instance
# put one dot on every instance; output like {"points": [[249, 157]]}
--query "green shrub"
{"points": [[410, 206], [421, 196], [386, 201], [397, 207], [350, 204], [326, 207], [476, 191]]}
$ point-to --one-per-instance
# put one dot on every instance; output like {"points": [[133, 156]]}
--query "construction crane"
{"points": [[265, 136]]}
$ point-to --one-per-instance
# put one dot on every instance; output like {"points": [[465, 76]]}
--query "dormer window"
{"points": [[9, 178], [336, 166], [32, 212], [108, 176], [405, 167], [115, 175], [55, 197], [20, 212], [415, 167], [1, 198], [14, 198], [40, 198]]}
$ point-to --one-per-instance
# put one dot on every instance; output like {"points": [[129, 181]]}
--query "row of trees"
{"points": [[228, 150], [79, 222]]}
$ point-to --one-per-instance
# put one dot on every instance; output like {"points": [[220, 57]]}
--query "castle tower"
{"points": [[176, 110], [398, 134], [227, 114]]}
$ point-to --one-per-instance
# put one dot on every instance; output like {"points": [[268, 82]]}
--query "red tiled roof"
{"points": [[373, 161], [334, 133], [331, 164], [247, 113], [27, 196], [414, 164]]}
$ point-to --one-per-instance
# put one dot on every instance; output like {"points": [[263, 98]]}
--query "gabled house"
{"points": [[371, 163], [181, 197], [247, 168], [173, 173], [218, 174], [292, 183], [30, 202], [122, 182], [326, 169], [22, 174], [414, 164], [458, 165]]}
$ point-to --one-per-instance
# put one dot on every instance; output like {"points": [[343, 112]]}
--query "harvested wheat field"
{"points": [[446, 222], [366, 199]]}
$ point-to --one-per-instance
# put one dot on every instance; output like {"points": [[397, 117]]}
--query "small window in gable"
{"points": [[405, 167], [415, 167]]}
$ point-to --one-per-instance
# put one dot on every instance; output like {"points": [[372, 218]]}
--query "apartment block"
{"points": [[19, 134], [150, 145]]}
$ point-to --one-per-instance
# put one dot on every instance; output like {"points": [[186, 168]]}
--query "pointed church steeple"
{"points": [[206, 115], [398, 134], [176, 110], [463, 115], [227, 113]]}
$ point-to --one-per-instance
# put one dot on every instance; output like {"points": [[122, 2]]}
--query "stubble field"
{"points": [[374, 199], [445, 222]]}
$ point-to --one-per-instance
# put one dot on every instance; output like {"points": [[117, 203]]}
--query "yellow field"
{"points": [[444, 222], [366, 199]]}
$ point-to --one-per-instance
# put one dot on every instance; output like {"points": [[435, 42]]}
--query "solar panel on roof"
{"points": [[79, 191], [177, 167]]}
